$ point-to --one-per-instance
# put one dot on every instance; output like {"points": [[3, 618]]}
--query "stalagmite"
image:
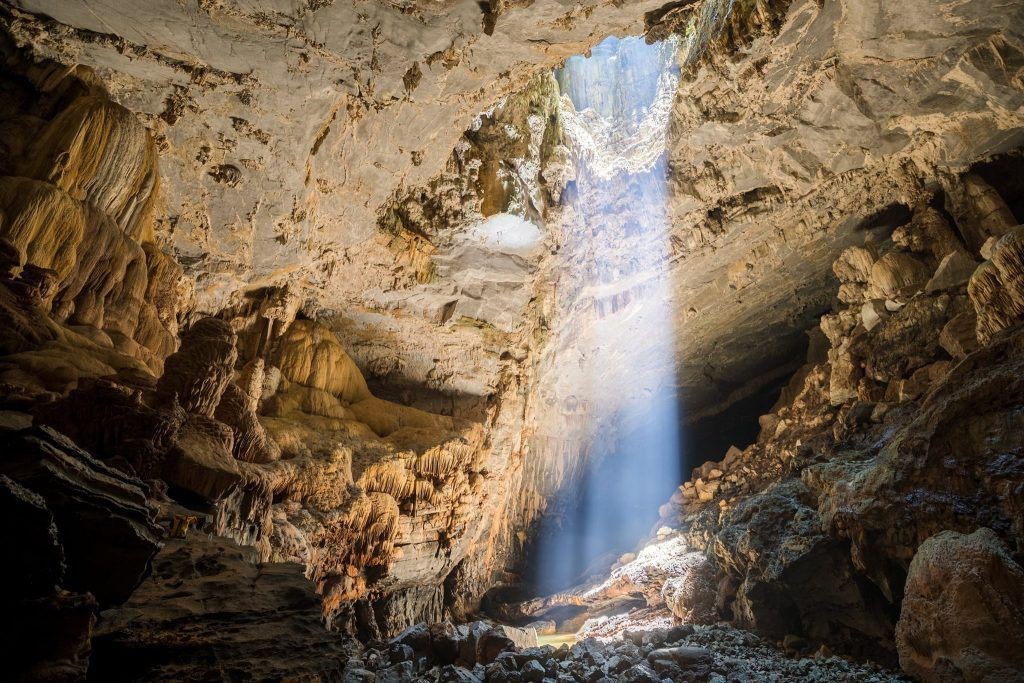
{"points": [[196, 376]]}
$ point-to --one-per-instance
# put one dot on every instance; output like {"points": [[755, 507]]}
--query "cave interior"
{"points": [[546, 342]]}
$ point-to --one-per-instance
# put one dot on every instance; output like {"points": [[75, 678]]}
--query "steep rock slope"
{"points": [[804, 125]]}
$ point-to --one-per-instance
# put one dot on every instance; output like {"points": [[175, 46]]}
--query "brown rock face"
{"points": [[690, 595], [996, 287], [909, 428], [963, 610], [196, 376], [93, 506], [82, 536], [210, 608], [895, 274], [236, 409], [78, 198]]}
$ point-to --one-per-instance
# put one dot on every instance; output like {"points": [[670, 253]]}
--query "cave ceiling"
{"points": [[287, 131]]}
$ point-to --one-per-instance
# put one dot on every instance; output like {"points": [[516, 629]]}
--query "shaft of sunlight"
{"points": [[615, 111]]}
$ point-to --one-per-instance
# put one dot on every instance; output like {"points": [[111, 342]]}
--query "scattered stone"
{"points": [[690, 593], [872, 313], [641, 673], [532, 672], [794, 643], [491, 644], [895, 274], [402, 672], [958, 337], [419, 636]]}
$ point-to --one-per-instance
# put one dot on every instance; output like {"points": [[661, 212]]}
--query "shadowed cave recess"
{"points": [[512, 341]]}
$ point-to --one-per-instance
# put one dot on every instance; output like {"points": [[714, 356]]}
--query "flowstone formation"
{"points": [[255, 424], [296, 300]]}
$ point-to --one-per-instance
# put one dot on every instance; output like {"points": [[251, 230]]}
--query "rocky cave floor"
{"points": [[210, 603], [715, 653]]}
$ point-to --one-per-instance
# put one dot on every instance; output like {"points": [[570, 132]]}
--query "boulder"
{"points": [[199, 460], [690, 595], [521, 637], [418, 637], [954, 270], [908, 340], [987, 247], [684, 656], [918, 383], [532, 671], [958, 336], [456, 674], [795, 578], [927, 233], [403, 672], [641, 673], [963, 610], [444, 642], [854, 265], [895, 274], [872, 313], [492, 643]]}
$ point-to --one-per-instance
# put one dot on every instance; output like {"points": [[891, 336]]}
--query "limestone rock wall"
{"points": [[285, 129], [77, 232], [900, 427], [83, 535], [802, 125], [962, 610]]}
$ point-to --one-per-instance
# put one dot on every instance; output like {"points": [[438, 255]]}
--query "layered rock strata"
{"points": [[82, 537]]}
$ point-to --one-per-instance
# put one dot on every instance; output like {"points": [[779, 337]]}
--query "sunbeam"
{"points": [[615, 109]]}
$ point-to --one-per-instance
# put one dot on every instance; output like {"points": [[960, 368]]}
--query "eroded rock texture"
{"points": [[82, 535], [327, 276], [878, 450], [963, 611], [211, 609]]}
